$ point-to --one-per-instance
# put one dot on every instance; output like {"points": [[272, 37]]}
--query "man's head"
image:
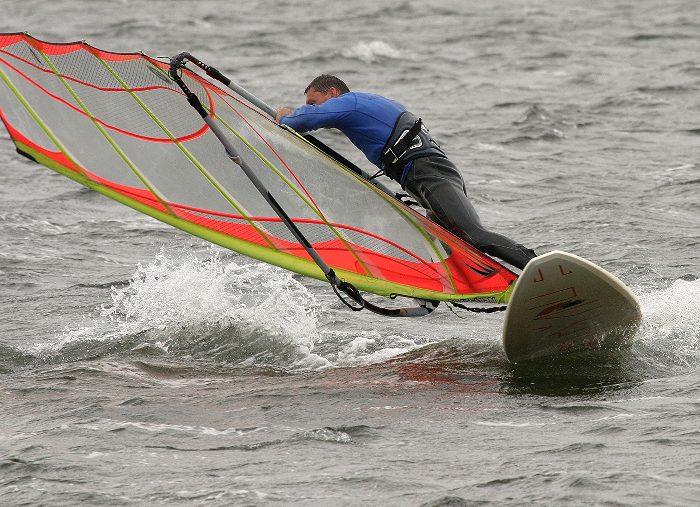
{"points": [[324, 87]]}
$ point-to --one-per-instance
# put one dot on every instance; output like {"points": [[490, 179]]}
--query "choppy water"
{"points": [[139, 366]]}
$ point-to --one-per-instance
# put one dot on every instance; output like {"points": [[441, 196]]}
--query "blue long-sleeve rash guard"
{"points": [[366, 119]]}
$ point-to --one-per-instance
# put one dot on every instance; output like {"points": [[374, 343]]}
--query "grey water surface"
{"points": [[140, 366]]}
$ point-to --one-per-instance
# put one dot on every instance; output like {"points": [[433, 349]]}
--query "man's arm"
{"points": [[330, 114]]}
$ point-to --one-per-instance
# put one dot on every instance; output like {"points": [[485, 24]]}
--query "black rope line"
{"points": [[376, 175], [354, 294], [488, 309], [455, 313]]}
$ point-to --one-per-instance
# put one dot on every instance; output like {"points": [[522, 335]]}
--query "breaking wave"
{"points": [[216, 309], [213, 309]]}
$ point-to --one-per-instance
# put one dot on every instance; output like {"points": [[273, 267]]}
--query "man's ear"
{"points": [[333, 92]]}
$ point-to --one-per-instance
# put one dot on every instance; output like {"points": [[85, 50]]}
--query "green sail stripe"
{"points": [[109, 139], [191, 157]]}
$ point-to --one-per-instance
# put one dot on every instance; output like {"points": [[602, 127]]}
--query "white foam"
{"points": [[181, 299], [371, 52], [671, 320], [229, 310], [174, 290], [508, 424], [488, 147], [105, 424], [371, 347]]}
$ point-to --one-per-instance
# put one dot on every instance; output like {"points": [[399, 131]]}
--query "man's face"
{"points": [[315, 97]]}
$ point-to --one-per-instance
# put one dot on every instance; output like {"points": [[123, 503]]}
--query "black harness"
{"points": [[409, 140]]}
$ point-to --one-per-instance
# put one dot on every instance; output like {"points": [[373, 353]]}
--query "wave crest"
{"points": [[212, 309]]}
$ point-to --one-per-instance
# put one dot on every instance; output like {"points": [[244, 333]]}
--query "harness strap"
{"points": [[393, 153]]}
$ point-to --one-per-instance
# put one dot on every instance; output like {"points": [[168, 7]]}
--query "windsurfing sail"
{"points": [[118, 124]]}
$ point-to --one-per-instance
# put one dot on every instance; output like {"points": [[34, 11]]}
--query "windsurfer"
{"points": [[395, 141]]}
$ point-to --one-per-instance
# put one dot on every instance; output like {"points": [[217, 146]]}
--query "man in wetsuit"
{"points": [[395, 141]]}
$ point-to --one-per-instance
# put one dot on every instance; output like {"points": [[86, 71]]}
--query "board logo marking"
{"points": [[540, 278], [558, 307]]}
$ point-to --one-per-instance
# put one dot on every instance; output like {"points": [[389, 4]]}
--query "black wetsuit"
{"points": [[437, 185]]}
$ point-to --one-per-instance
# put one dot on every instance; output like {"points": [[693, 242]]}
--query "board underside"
{"points": [[563, 304]]}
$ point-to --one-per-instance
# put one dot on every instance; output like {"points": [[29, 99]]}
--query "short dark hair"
{"points": [[325, 82]]}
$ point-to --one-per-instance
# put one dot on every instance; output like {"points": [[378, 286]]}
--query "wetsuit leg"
{"points": [[438, 186]]}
